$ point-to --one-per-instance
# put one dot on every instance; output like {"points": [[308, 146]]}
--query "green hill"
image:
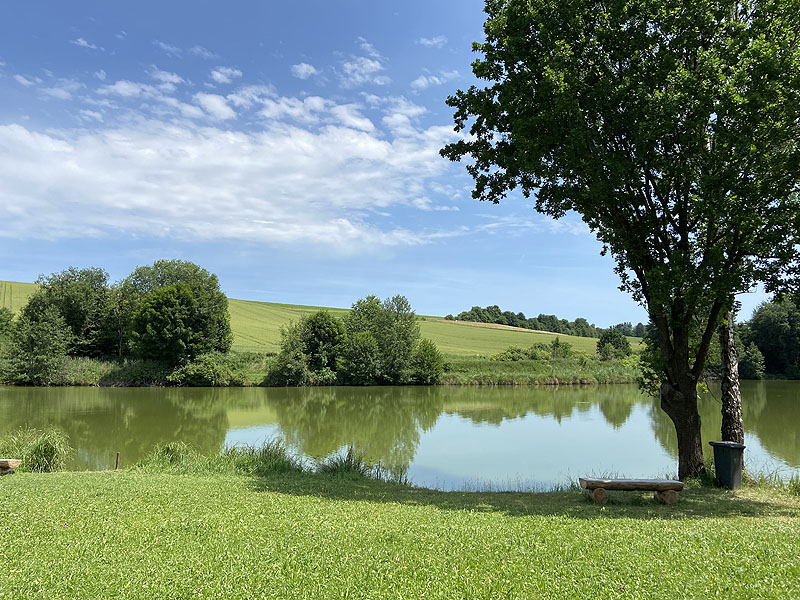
{"points": [[256, 327]]}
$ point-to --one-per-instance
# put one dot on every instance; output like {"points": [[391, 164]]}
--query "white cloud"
{"points": [[425, 81], [126, 89], [63, 89], [101, 75], [349, 116], [90, 115], [22, 80], [369, 48], [304, 70], [361, 70], [225, 74], [426, 204], [283, 184], [434, 42], [165, 76], [202, 53], [84, 44], [121, 35], [215, 105], [168, 48]]}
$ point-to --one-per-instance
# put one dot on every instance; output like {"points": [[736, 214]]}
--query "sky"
{"points": [[289, 147]]}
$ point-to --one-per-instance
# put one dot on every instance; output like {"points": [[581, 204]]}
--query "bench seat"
{"points": [[666, 490]]}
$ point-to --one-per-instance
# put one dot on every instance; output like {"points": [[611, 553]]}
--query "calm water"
{"points": [[447, 437]]}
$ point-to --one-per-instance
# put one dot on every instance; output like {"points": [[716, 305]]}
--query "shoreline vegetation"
{"points": [[343, 528], [170, 325]]}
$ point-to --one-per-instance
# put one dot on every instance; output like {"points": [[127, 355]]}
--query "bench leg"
{"points": [[667, 497], [599, 495], [6, 471]]}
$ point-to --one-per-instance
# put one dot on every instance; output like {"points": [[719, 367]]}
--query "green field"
{"points": [[151, 535], [256, 327]]}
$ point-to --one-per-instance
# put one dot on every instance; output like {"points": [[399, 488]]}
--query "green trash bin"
{"points": [[728, 463]]}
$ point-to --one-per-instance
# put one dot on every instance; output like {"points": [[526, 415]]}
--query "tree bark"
{"points": [[732, 427], [679, 401]]}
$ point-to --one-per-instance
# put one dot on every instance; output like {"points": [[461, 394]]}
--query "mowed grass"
{"points": [[133, 534], [14, 295], [256, 327]]}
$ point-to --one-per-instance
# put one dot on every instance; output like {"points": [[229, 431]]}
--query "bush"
{"points": [[270, 458], [427, 363], [613, 344], [40, 451], [209, 370], [137, 373]]}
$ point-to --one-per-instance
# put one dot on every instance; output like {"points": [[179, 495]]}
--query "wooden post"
{"points": [[116, 466], [599, 495]]}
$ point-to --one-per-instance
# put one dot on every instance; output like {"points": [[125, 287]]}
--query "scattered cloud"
{"points": [[289, 182], [225, 74], [202, 53], [360, 70], [90, 115], [84, 44], [434, 42], [22, 80], [168, 48], [425, 81], [426, 204], [63, 89], [304, 70], [215, 105], [121, 35], [101, 75]]}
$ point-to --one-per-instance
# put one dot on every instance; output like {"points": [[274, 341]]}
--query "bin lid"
{"points": [[733, 445]]}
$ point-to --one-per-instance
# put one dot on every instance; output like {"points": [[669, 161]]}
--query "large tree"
{"points": [[673, 129]]}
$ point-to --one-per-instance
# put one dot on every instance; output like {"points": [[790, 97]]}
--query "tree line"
{"points": [[579, 327]]}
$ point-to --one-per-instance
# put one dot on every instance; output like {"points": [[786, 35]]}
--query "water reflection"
{"points": [[449, 434]]}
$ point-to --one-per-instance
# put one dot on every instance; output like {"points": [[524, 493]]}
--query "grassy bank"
{"points": [[571, 371], [150, 534]]}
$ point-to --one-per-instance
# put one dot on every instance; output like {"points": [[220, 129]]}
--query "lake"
{"points": [[446, 437]]}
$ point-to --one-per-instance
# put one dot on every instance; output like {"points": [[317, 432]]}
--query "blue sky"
{"points": [[291, 148]]}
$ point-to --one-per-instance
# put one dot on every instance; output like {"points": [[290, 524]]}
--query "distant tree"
{"points": [[393, 325], [38, 347], [613, 344], [427, 363], [309, 351], [775, 330], [751, 363], [167, 326], [626, 328], [79, 296], [360, 361], [639, 330], [212, 304]]}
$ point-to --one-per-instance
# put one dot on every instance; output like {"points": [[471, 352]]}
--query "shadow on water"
{"points": [[695, 502]]}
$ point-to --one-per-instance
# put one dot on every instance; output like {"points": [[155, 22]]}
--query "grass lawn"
{"points": [[133, 534]]}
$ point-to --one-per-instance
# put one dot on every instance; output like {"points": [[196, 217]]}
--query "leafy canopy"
{"points": [[672, 128]]}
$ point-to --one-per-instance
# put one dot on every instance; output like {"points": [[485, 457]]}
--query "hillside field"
{"points": [[256, 327]]}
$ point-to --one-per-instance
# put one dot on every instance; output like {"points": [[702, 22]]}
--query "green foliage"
{"points": [[40, 451], [166, 326], [209, 370], [37, 348], [751, 363], [427, 363], [211, 303], [775, 330], [671, 129], [360, 362], [492, 314], [79, 297], [6, 323], [270, 458], [613, 344], [309, 348], [322, 334]]}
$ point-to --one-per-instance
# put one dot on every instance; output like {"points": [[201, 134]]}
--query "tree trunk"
{"points": [[732, 428], [680, 404]]}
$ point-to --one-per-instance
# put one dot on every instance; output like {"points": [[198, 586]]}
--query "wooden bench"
{"points": [[666, 490], [7, 465]]}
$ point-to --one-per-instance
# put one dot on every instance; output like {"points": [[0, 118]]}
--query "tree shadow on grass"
{"points": [[696, 502]]}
